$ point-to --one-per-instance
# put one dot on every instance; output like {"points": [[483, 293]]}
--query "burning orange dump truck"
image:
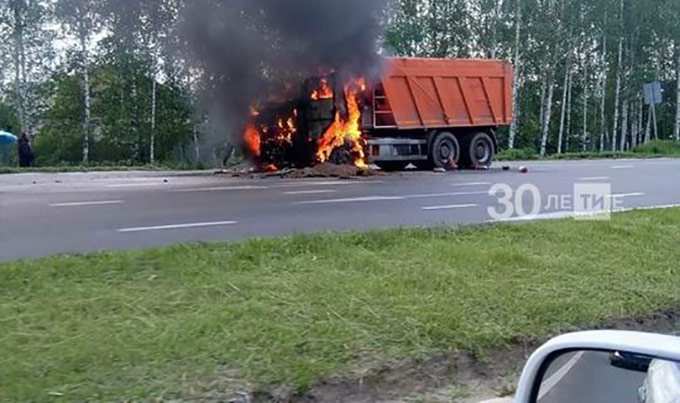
{"points": [[438, 112], [429, 112]]}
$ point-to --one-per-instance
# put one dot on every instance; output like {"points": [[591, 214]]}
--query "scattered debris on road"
{"points": [[342, 171], [324, 170]]}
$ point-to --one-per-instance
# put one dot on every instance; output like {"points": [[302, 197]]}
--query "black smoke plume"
{"points": [[248, 49]]}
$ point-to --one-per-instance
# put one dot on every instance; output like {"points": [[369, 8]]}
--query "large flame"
{"points": [[270, 140], [345, 131], [252, 141]]}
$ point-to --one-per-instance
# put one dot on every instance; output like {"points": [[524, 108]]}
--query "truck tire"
{"points": [[391, 166], [445, 151], [478, 151]]}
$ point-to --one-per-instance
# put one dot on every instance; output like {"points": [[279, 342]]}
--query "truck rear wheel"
{"points": [[478, 151], [445, 151]]}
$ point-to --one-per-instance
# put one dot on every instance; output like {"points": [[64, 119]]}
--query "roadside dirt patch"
{"points": [[454, 377]]}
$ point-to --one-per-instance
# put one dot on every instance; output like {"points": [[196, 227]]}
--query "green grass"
{"points": [[95, 168], [591, 155], [659, 147], [517, 154], [133, 325], [653, 149]]}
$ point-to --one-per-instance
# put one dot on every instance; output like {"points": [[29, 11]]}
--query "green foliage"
{"points": [[60, 139], [593, 155], [517, 154], [121, 122], [126, 49], [8, 119], [659, 147], [115, 166], [577, 36], [655, 148]]}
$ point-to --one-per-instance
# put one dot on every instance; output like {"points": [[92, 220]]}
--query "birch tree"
{"points": [[32, 57], [624, 126], [5, 38], [547, 112], [604, 66], [567, 136], [584, 135], [639, 121], [157, 19], [81, 20], [565, 95], [516, 75], [584, 52], [19, 10], [676, 129], [619, 70]]}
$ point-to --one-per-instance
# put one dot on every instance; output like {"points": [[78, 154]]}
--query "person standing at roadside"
{"points": [[25, 151]]}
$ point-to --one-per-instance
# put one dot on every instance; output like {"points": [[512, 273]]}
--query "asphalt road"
{"points": [[588, 377], [45, 214]]}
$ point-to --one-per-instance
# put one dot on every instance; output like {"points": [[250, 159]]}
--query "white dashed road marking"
{"points": [[87, 203], [557, 377], [325, 183], [134, 185], [594, 178], [391, 198], [449, 207], [178, 226], [311, 192], [353, 200], [435, 195], [623, 167], [622, 195], [220, 189], [471, 184]]}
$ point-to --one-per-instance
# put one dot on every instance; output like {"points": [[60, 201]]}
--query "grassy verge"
{"points": [[121, 325], [653, 149], [95, 168]]}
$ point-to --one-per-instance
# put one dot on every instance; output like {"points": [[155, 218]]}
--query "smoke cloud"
{"points": [[247, 49]]}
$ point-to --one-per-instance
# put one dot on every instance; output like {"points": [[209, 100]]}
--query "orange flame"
{"points": [[342, 131], [251, 139], [270, 168], [279, 133], [323, 92]]}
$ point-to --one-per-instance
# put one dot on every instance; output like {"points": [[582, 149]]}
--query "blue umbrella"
{"points": [[7, 138]]}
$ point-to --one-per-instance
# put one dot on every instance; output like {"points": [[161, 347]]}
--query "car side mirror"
{"points": [[602, 367]]}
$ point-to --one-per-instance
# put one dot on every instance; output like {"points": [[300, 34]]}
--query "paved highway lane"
{"points": [[588, 377], [44, 214]]}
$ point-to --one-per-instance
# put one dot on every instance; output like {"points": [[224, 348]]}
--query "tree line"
{"points": [[100, 80], [96, 80], [580, 65]]}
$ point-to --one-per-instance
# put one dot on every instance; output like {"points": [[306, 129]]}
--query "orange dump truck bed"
{"points": [[438, 93]]}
